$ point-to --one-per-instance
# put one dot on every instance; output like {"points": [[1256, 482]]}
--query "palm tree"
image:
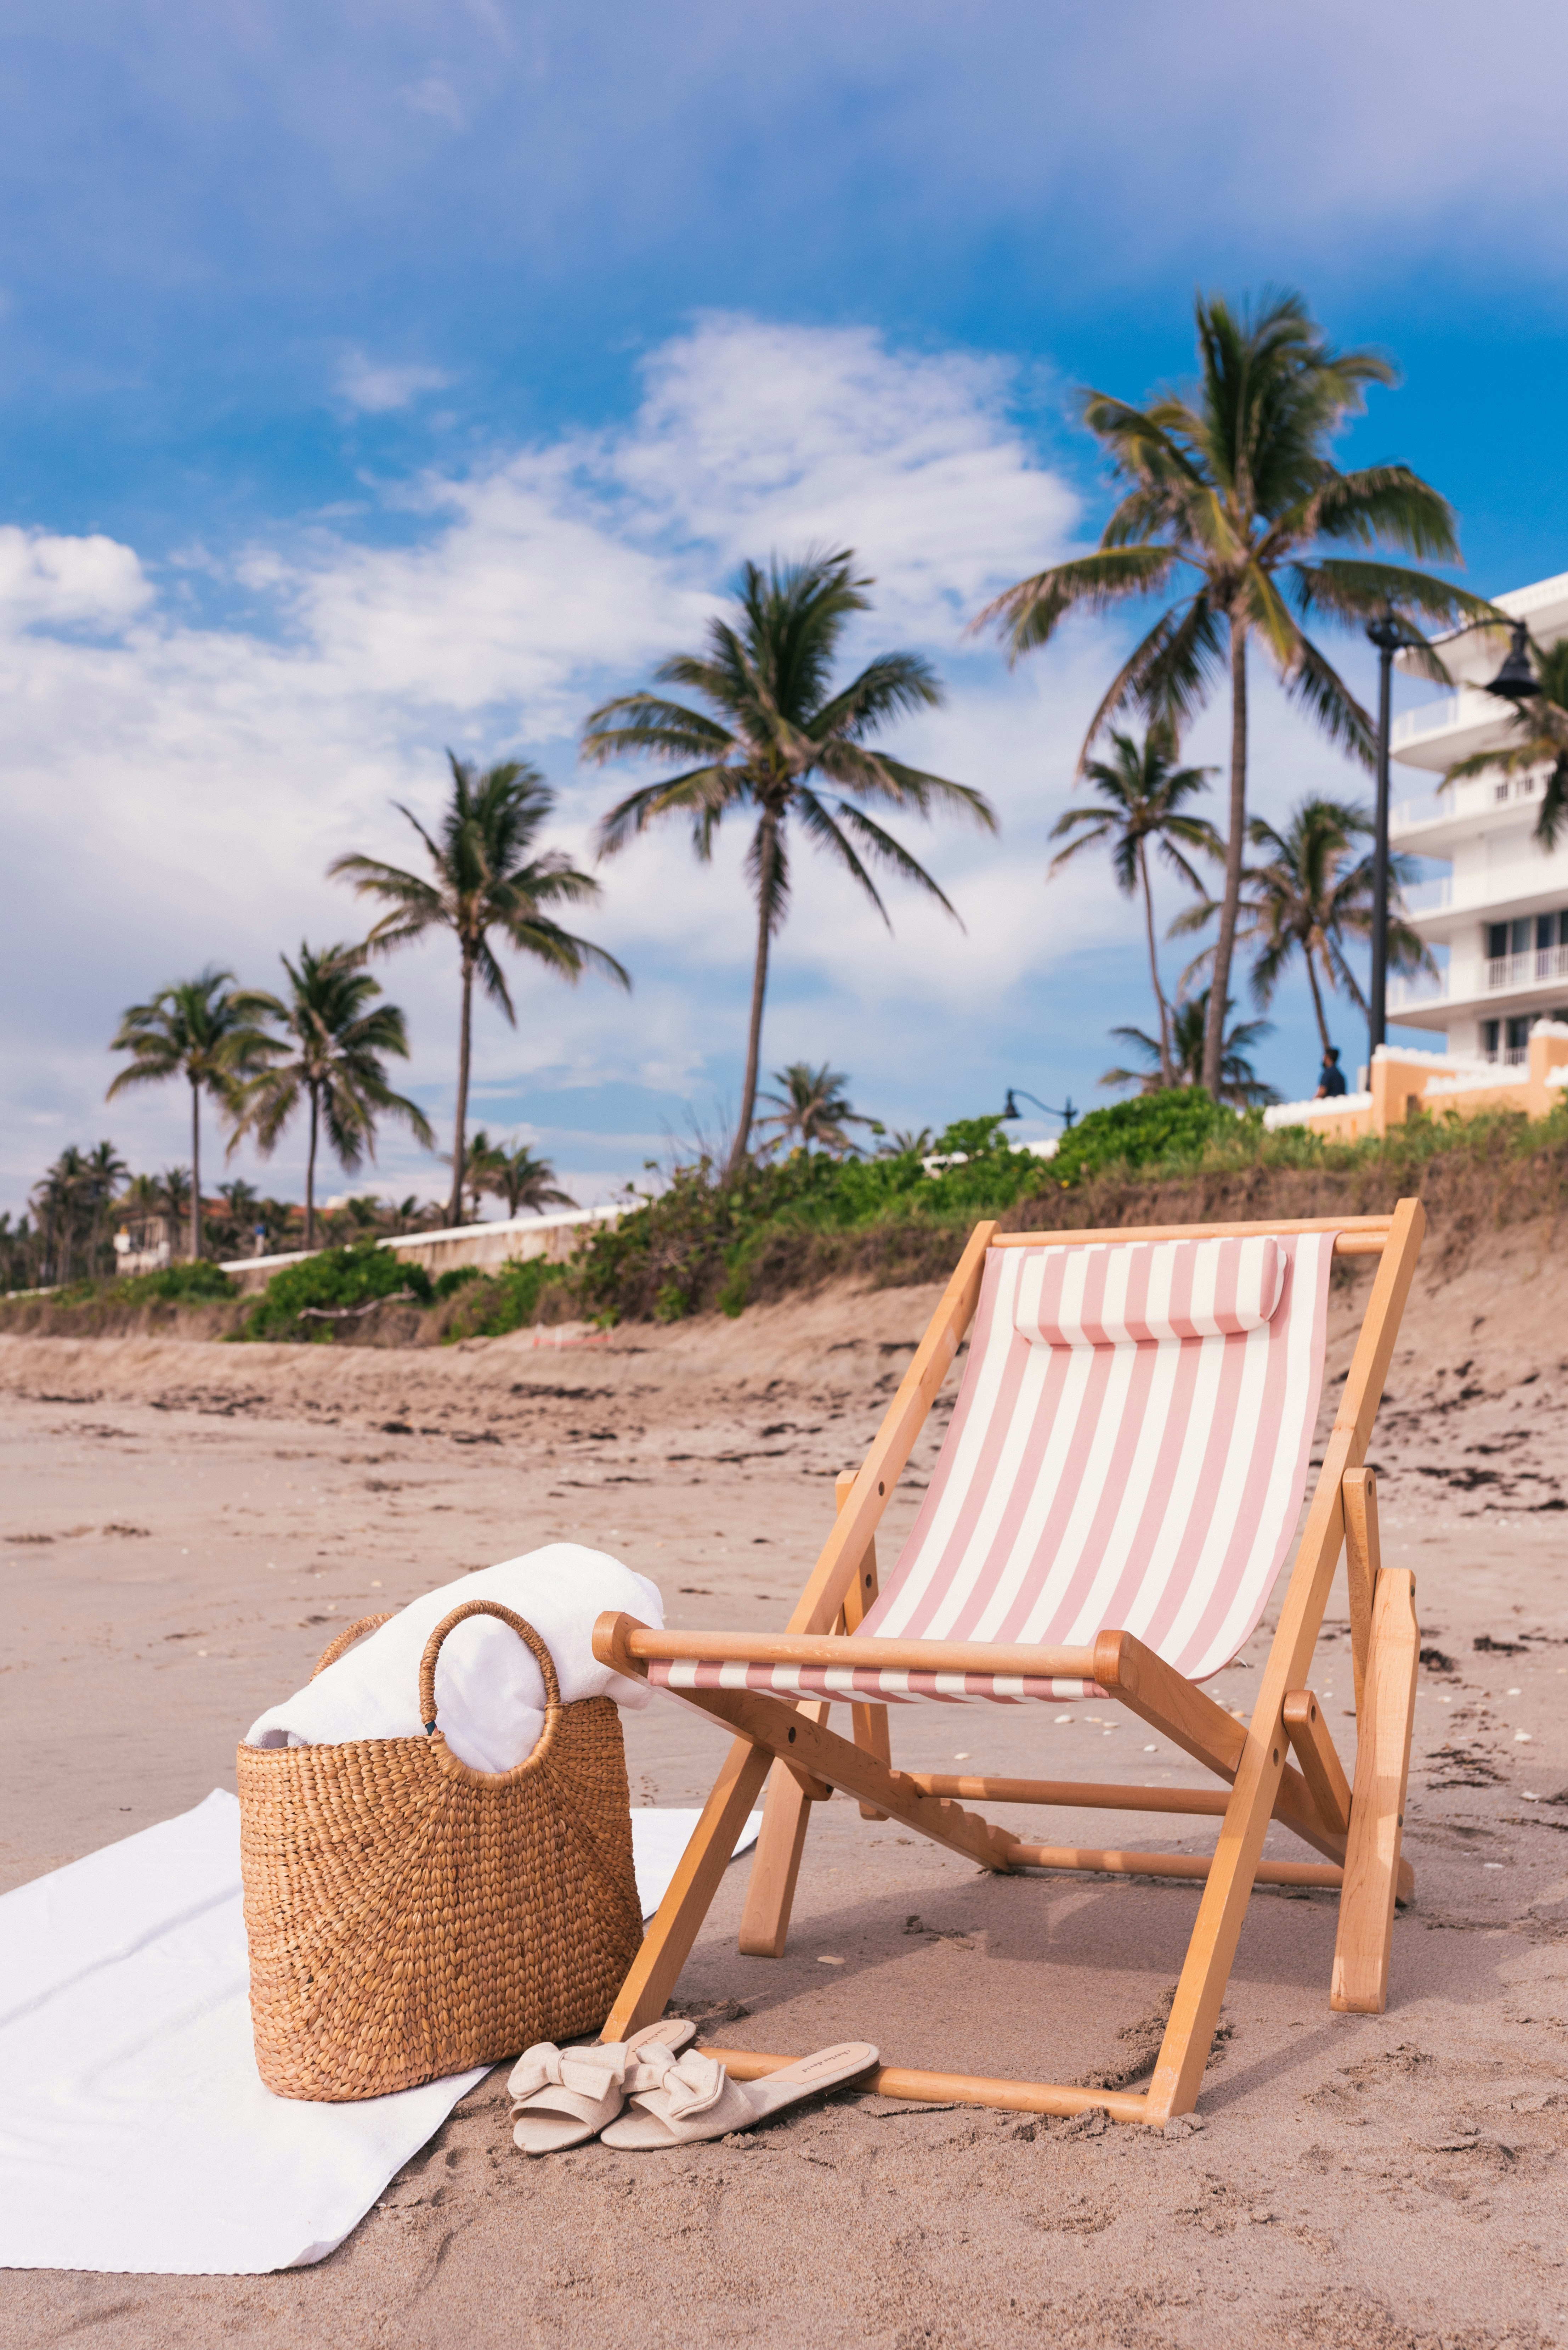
{"points": [[514, 1175], [1312, 894], [106, 1171], [1538, 739], [1238, 1082], [774, 733], [332, 1056], [1144, 790], [207, 1031], [813, 1103], [1235, 490], [489, 875]]}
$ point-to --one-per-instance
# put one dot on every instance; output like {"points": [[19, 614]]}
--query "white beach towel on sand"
{"points": [[490, 1694], [135, 2133]]}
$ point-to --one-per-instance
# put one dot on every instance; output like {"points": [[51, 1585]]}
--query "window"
{"points": [[1546, 933], [1489, 1038], [1496, 940], [1518, 1035], [1518, 936]]}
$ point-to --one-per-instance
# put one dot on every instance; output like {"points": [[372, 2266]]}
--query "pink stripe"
{"points": [[1041, 1527]]}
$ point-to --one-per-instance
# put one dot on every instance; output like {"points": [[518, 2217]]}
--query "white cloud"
{"points": [[180, 790], [377, 387], [49, 581]]}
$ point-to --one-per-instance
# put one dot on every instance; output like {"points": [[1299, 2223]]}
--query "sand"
{"points": [[184, 1526]]}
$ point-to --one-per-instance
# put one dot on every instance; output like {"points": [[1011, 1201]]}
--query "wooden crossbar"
{"points": [[637, 1644], [1354, 1235], [1060, 2099]]}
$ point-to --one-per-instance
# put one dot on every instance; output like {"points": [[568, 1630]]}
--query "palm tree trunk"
{"points": [[310, 1178], [454, 1206], [1317, 1005], [195, 1171], [1214, 1033], [1166, 1078], [769, 833]]}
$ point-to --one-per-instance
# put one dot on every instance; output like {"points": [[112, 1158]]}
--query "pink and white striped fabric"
{"points": [[1127, 1453]]}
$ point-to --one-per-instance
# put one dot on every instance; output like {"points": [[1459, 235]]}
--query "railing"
{"points": [[1532, 969], [1430, 896], [1430, 718], [1508, 1056], [1428, 807], [1404, 994]]}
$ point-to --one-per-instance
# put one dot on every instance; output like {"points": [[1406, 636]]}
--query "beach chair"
{"points": [[1116, 1493]]}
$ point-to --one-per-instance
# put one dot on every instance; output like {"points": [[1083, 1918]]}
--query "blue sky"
{"points": [[374, 378]]}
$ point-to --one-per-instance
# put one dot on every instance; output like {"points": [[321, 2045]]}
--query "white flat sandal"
{"points": [[565, 2096], [679, 2102]]}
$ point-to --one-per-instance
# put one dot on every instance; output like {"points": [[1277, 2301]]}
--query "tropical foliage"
{"points": [[332, 1058], [1311, 897], [1232, 499], [487, 874], [1239, 1080], [811, 1106], [776, 740], [511, 1172], [208, 1032], [1144, 794], [1538, 737], [313, 1299]]}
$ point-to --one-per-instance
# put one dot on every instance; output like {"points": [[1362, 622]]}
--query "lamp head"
{"points": [[1012, 1108], [1516, 680]]}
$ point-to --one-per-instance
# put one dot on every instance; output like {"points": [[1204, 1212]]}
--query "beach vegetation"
{"points": [[329, 1057], [205, 1030], [488, 878], [1231, 507], [1143, 807], [310, 1299], [1240, 1083], [775, 740], [1311, 896]]}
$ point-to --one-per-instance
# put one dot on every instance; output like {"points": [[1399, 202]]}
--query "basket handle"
{"points": [[346, 1639], [452, 1762]]}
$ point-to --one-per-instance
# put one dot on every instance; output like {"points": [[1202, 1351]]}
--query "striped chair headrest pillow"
{"points": [[1143, 1291]]}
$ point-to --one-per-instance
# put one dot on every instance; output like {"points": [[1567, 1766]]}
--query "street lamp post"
{"points": [[1515, 681], [1012, 1110]]}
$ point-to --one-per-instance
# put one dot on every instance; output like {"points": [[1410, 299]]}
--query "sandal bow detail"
{"points": [[563, 2096]]}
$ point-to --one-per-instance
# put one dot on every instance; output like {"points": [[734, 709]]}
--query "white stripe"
{"points": [[1040, 1624], [1184, 1497], [1023, 1559], [1020, 1441], [1091, 1616], [914, 1574], [1226, 1502], [1282, 1498]]}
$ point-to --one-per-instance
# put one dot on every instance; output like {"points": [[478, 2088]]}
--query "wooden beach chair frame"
{"points": [[1357, 1829]]}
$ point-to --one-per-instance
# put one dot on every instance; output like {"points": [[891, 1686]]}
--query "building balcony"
{"points": [[1439, 733], [1430, 821], [1479, 979]]}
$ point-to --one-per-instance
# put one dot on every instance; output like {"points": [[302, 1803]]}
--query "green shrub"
{"points": [[336, 1279], [507, 1299], [1173, 1128], [178, 1283], [447, 1285]]}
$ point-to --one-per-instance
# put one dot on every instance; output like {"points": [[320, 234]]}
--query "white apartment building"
{"points": [[1501, 911]]}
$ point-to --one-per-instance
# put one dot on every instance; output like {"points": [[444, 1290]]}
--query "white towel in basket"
{"points": [[490, 1693]]}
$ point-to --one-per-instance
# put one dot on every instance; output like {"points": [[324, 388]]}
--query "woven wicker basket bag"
{"points": [[409, 1916]]}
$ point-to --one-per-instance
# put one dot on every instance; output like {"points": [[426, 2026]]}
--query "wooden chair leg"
{"points": [[770, 1891], [1385, 1718], [667, 1943], [870, 1729], [1361, 1563]]}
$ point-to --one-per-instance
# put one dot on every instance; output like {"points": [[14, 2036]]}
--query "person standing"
{"points": [[1331, 1077]]}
